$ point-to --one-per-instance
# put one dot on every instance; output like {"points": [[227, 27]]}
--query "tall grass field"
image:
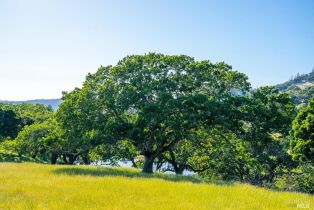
{"points": [[38, 186]]}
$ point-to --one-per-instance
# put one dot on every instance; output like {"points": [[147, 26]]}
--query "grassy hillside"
{"points": [[37, 186], [300, 88]]}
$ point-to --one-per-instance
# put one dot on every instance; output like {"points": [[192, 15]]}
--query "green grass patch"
{"points": [[40, 186]]}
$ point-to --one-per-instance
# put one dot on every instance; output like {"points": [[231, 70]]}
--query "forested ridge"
{"points": [[171, 113], [297, 80], [299, 87]]}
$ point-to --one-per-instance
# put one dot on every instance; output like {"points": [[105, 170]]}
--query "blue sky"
{"points": [[48, 46]]}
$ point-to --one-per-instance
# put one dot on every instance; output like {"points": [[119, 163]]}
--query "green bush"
{"points": [[301, 179]]}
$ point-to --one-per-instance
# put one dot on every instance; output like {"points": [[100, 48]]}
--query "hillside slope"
{"points": [[38, 186], [300, 88]]}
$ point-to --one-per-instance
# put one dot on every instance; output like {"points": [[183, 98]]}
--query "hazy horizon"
{"points": [[47, 47]]}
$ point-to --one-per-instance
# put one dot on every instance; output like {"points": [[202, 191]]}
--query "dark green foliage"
{"points": [[9, 124], [29, 113], [268, 116], [112, 153], [82, 122], [299, 179], [25, 123], [39, 140], [300, 96], [302, 145]]}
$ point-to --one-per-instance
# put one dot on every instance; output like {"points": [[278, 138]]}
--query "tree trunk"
{"points": [[64, 157], [85, 158], [20, 156], [72, 158], [43, 154], [148, 164], [34, 154], [179, 170], [54, 158], [134, 165]]}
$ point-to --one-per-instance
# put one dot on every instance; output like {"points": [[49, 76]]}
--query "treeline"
{"points": [[172, 113], [53, 103], [15, 119]]}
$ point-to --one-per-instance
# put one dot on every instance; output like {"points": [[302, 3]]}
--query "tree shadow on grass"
{"points": [[129, 173]]}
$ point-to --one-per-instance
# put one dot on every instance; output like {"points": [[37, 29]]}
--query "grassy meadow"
{"points": [[39, 186]]}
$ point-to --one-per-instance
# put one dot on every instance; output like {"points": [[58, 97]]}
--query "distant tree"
{"points": [[302, 145], [28, 113], [39, 140], [82, 122], [268, 116], [10, 124], [31, 113]]}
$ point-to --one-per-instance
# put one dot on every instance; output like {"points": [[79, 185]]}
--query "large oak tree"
{"points": [[155, 101]]}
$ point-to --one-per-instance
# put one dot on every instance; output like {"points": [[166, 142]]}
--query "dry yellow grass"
{"points": [[37, 186]]}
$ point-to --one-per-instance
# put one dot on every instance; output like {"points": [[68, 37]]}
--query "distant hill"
{"points": [[300, 88], [54, 103]]}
